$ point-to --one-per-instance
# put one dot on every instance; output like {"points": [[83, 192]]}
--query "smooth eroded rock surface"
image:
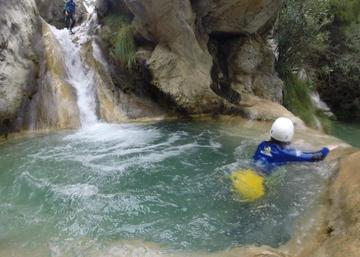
{"points": [[54, 106], [251, 69], [344, 214], [20, 27], [113, 104], [179, 65], [236, 16]]}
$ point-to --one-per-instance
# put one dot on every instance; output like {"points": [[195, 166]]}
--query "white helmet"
{"points": [[282, 130]]}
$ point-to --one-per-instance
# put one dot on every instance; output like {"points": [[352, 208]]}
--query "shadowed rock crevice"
{"points": [[221, 84]]}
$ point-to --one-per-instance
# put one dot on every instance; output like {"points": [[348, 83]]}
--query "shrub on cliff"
{"points": [[122, 45], [301, 33], [339, 80], [297, 99]]}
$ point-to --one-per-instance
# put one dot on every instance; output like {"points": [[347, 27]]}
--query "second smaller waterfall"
{"points": [[81, 78]]}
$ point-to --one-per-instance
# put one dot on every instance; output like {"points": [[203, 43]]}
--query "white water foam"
{"points": [[79, 76]]}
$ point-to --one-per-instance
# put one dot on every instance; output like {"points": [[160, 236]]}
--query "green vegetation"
{"points": [[300, 35], [347, 11], [346, 34], [340, 66], [326, 122], [301, 32], [322, 37], [122, 45], [297, 99]]}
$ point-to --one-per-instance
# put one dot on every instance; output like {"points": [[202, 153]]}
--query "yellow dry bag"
{"points": [[248, 185]]}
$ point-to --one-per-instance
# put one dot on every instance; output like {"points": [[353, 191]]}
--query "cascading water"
{"points": [[79, 76]]}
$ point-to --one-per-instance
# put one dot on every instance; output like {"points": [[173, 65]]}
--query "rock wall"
{"points": [[205, 54], [236, 16], [114, 105], [118, 6], [343, 217], [53, 11], [174, 45], [179, 65], [54, 105], [20, 29], [251, 68]]}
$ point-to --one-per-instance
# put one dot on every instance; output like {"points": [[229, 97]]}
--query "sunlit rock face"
{"points": [[184, 65], [177, 35], [20, 29], [179, 64], [54, 104]]}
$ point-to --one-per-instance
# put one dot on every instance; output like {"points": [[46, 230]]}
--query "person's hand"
{"points": [[332, 147], [66, 13]]}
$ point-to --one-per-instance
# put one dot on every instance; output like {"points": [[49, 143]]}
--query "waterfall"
{"points": [[79, 76]]}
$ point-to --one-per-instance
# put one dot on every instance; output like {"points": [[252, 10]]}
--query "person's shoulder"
{"points": [[274, 145], [266, 144], [263, 143]]}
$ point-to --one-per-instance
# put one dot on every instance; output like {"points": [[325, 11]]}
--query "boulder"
{"points": [[179, 65], [186, 83], [256, 108], [53, 11], [251, 68], [20, 27]]}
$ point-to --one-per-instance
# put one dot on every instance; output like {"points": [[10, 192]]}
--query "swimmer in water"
{"points": [[250, 184], [277, 151]]}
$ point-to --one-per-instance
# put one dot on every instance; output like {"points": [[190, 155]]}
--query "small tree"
{"points": [[339, 81], [301, 31]]}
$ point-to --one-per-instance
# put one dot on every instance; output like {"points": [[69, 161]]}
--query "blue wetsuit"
{"points": [[271, 154], [70, 8]]}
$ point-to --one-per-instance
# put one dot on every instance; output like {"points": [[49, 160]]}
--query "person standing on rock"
{"points": [[69, 10]]}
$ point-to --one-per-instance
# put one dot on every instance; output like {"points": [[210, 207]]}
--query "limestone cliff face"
{"points": [[205, 54], [54, 104], [236, 16], [20, 27], [113, 105], [179, 65], [251, 69], [201, 56]]}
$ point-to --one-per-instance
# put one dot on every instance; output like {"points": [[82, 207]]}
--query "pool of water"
{"points": [[163, 183], [349, 132]]}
